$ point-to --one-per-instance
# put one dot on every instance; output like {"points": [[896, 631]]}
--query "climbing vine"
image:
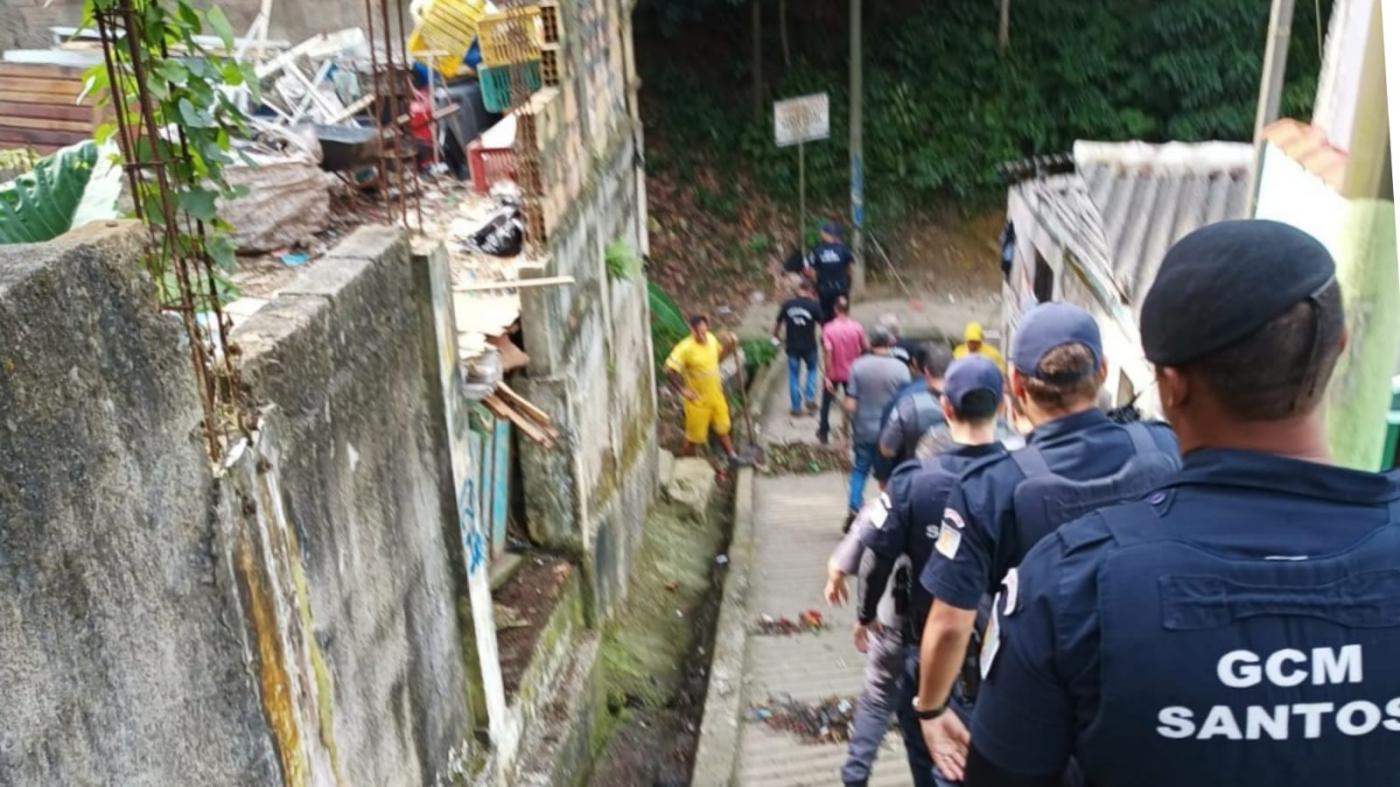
{"points": [[175, 115], [174, 107]]}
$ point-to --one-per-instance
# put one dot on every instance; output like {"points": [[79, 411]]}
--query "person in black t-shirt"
{"points": [[829, 265], [798, 318]]}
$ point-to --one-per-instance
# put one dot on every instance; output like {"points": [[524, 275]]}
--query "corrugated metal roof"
{"points": [[1148, 196]]}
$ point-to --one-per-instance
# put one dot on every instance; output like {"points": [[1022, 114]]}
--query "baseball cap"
{"points": [[1050, 325], [1224, 281], [970, 374], [833, 229], [973, 332]]}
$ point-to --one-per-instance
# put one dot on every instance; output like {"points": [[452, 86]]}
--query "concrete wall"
{"points": [[340, 353], [292, 618], [121, 656], [595, 375]]}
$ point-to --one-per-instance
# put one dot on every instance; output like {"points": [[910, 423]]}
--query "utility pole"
{"points": [[1270, 86], [857, 151]]}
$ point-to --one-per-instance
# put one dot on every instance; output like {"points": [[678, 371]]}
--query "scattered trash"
{"points": [[673, 586], [808, 621], [722, 560], [757, 296], [804, 458], [680, 614], [294, 260], [826, 721]]}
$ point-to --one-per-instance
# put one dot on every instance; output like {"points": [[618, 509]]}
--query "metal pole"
{"points": [[802, 197], [857, 154], [1270, 87]]}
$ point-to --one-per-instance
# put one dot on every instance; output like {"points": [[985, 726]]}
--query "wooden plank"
{"points": [[18, 121], [49, 111], [41, 71], [486, 286], [59, 88], [32, 136], [50, 99]]}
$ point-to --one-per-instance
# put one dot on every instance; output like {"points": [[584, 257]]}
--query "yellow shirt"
{"points": [[698, 364], [986, 351]]}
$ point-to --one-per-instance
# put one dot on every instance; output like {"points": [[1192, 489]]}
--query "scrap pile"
{"points": [[826, 721]]}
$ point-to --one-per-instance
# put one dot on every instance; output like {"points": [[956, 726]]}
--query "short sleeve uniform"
{"points": [[979, 543], [800, 317], [698, 365], [1263, 695]]}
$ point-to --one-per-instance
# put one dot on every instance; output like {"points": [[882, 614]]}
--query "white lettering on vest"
{"points": [[1260, 720], [1238, 669], [1220, 722], [1273, 668], [1342, 665], [1286, 668], [1348, 722], [1176, 722], [1312, 716], [1392, 709]]}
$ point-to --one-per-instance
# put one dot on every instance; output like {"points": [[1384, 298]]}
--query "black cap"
{"points": [[1048, 326], [1225, 281]]}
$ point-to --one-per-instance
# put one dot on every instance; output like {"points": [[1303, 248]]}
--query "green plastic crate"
{"points": [[495, 85]]}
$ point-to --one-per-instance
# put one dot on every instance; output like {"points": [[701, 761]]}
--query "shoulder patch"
{"points": [[951, 518]]}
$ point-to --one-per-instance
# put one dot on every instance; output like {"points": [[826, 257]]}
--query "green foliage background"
{"points": [[943, 106]]}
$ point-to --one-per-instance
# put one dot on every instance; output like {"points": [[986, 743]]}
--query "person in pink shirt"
{"points": [[843, 341]]}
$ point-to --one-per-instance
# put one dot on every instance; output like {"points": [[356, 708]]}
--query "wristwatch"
{"points": [[931, 713]]}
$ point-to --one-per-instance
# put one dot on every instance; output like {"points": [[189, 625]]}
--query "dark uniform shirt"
{"points": [[832, 262], [973, 558], [917, 493], [1251, 654], [905, 351], [800, 317]]}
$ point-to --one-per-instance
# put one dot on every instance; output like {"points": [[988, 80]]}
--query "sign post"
{"points": [[797, 121]]}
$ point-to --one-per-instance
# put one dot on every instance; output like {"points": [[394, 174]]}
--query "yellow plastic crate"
{"points": [[495, 35], [447, 26]]}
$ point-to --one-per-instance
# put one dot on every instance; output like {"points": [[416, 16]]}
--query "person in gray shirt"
{"points": [[915, 411], [874, 380]]}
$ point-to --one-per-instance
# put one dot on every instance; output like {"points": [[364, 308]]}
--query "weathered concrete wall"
{"points": [[595, 374], [121, 659], [291, 618], [340, 354]]}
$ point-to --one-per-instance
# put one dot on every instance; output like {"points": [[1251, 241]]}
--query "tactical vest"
{"points": [[1216, 670], [1044, 501]]}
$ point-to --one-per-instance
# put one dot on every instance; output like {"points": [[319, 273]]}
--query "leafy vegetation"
{"points": [[192, 120], [944, 104], [668, 323], [72, 187], [621, 261]]}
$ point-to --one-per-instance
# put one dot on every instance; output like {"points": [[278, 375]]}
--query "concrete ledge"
{"points": [[717, 756]]}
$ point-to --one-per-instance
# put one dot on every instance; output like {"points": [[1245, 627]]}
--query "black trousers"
{"points": [[824, 425]]}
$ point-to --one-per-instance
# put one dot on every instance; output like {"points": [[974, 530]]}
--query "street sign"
{"points": [[802, 119]]}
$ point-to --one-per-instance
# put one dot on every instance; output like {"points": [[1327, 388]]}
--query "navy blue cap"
{"points": [[1223, 282], [1051, 325], [968, 374], [833, 229]]}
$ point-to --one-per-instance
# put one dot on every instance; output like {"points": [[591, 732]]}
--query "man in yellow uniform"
{"points": [[974, 345], [693, 370]]}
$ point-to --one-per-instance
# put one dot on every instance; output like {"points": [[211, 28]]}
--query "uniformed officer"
{"points": [[916, 408], [1240, 625], [829, 265], [1076, 460], [915, 497]]}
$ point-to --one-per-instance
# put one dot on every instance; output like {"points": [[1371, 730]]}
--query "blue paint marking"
{"points": [[858, 191], [476, 552]]}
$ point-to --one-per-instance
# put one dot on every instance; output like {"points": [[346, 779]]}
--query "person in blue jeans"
{"points": [[798, 321], [875, 378]]}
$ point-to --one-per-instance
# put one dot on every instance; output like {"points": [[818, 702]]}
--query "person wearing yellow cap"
{"points": [[974, 345]]}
